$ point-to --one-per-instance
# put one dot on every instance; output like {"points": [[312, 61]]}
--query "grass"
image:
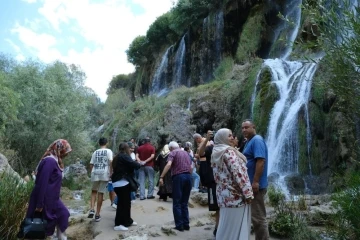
{"points": [[14, 197]]}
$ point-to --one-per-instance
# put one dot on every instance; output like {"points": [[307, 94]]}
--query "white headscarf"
{"points": [[222, 143]]}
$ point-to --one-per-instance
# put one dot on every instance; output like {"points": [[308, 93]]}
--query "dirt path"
{"points": [[155, 221]]}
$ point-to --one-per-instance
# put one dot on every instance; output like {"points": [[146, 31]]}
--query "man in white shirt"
{"points": [[101, 170]]}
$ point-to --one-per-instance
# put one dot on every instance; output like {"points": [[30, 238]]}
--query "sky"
{"points": [[93, 34]]}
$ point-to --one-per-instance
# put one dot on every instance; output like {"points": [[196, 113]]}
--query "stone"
{"points": [[200, 198], [273, 178], [295, 184], [78, 173], [5, 167]]}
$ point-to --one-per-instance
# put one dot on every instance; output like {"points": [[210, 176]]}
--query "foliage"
{"points": [[40, 108], [120, 81], [224, 70], [347, 203], [250, 37], [138, 51], [339, 38], [276, 196], [14, 197], [288, 221]]}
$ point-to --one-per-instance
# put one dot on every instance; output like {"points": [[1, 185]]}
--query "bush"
{"points": [[276, 196], [14, 197]]}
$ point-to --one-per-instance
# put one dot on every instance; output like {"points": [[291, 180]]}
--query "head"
{"points": [[132, 140], [146, 140], [224, 136], [248, 128], [173, 145], [103, 141], [131, 146], [197, 138], [188, 144], [236, 142], [59, 148], [124, 148]]}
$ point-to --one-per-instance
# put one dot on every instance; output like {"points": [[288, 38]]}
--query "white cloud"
{"points": [[19, 55], [110, 26]]}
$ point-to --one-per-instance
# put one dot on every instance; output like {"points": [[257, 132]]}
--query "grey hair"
{"points": [[173, 145], [188, 144], [196, 135]]}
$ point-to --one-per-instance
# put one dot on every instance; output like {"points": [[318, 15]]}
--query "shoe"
{"points": [[195, 190], [137, 195], [142, 199], [132, 201], [114, 205], [151, 197], [203, 190], [181, 229], [134, 224], [120, 228], [187, 228], [91, 213], [214, 232], [97, 218]]}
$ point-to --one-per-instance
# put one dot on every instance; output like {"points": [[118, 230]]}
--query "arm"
{"points": [[238, 170], [150, 158], [42, 181], [92, 162], [110, 163], [164, 172], [137, 157], [203, 144], [128, 160], [260, 162]]}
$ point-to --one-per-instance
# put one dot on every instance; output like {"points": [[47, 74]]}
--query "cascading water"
{"points": [[159, 80], [179, 65], [293, 81]]}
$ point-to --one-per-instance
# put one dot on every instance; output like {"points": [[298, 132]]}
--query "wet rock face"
{"points": [[295, 184]]}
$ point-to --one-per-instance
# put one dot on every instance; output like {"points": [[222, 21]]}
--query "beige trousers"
{"points": [[258, 216]]}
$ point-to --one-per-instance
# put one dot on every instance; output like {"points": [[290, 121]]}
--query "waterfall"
{"points": [[308, 136], [159, 80], [253, 96], [219, 33], [293, 81], [293, 18], [179, 67]]}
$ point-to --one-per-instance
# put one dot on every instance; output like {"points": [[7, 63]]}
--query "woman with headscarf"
{"points": [[233, 188], [45, 197], [165, 190]]}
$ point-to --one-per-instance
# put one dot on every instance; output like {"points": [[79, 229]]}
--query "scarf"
{"points": [[57, 149], [222, 143]]}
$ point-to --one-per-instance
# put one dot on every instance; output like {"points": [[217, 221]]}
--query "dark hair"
{"points": [[186, 148], [103, 141], [123, 147], [146, 140], [249, 120]]}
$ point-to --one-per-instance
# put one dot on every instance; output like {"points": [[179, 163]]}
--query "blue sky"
{"points": [[93, 34]]}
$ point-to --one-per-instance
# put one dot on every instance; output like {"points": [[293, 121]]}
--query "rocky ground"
{"points": [[155, 221]]}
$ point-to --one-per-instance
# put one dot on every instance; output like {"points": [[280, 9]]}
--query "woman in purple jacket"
{"points": [[45, 197]]}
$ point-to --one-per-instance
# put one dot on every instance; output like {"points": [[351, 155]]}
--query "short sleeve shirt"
{"points": [[101, 160], [145, 152], [256, 148]]}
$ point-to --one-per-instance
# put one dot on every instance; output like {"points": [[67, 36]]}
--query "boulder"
{"points": [[295, 184], [200, 198], [5, 166], [77, 173], [273, 178]]}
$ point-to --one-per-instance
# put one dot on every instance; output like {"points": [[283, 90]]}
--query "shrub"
{"points": [[276, 196], [14, 197]]}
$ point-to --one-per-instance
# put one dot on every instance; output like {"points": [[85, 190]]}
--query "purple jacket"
{"points": [[46, 195]]}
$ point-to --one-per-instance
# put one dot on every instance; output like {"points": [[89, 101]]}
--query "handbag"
{"points": [[133, 183], [33, 228]]}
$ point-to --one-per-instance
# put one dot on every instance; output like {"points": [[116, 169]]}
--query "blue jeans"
{"points": [[196, 179], [181, 192], [146, 171]]}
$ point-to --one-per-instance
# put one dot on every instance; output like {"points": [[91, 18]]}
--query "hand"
{"points": [[209, 135], [248, 200], [161, 181], [38, 209], [255, 187]]}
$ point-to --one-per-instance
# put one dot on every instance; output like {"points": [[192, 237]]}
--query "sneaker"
{"points": [[134, 224], [114, 205], [91, 213], [195, 190], [97, 218], [120, 228], [151, 197], [187, 228], [132, 201], [142, 199]]}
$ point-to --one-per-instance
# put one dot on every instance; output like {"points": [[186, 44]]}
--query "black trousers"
{"points": [[123, 211]]}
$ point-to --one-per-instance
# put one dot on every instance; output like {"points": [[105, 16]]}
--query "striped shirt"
{"points": [[181, 162]]}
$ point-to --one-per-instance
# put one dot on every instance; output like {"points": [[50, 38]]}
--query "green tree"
{"points": [[138, 52]]}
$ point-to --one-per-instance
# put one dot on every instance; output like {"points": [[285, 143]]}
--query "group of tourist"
{"points": [[236, 182]]}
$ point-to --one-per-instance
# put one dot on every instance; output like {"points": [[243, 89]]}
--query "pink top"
{"points": [[181, 162]]}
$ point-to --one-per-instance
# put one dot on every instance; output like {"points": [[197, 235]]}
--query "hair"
{"points": [[249, 120], [146, 140], [103, 141], [186, 148], [123, 147], [188, 144], [196, 135], [173, 145]]}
